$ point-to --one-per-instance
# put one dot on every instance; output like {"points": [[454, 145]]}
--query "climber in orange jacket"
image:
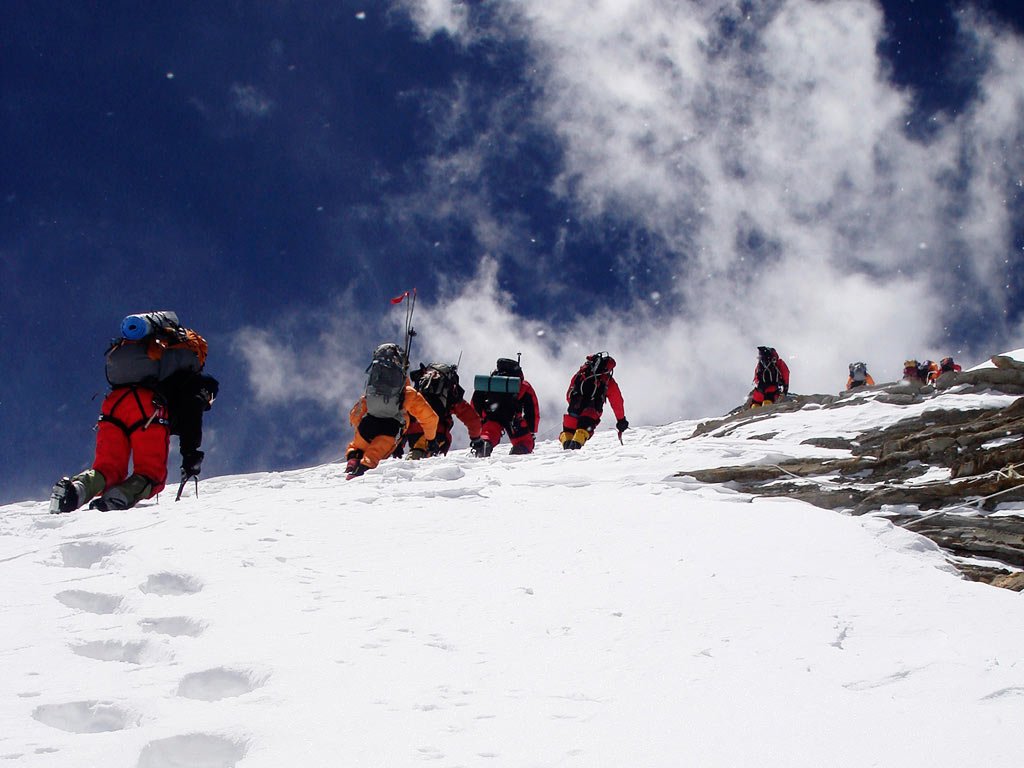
{"points": [[382, 413], [859, 376]]}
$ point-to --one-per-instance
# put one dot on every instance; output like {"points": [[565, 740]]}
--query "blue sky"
{"points": [[674, 183]]}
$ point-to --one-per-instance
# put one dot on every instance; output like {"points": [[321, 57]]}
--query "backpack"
{"points": [[858, 373], [163, 349], [770, 374], [385, 383], [590, 384], [507, 367], [438, 382]]}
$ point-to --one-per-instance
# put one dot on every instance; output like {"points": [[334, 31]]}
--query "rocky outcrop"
{"points": [[980, 450]]}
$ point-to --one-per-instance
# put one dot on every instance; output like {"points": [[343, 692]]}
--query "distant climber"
{"points": [[946, 365], [920, 373], [590, 386], [380, 415], [859, 376], [506, 402], [771, 378], [157, 389]]}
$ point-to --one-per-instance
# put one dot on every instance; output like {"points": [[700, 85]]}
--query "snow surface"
{"points": [[562, 609]]}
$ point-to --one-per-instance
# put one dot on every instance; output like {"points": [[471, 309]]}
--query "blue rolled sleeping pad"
{"points": [[135, 327], [504, 384]]}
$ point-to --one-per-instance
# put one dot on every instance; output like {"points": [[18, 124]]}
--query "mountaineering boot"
{"points": [[356, 471], [71, 493], [420, 449], [578, 440], [519, 450], [484, 449], [65, 496], [352, 459], [126, 495], [565, 439]]}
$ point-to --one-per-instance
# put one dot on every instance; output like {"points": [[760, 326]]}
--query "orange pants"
{"points": [[375, 439], [133, 425]]}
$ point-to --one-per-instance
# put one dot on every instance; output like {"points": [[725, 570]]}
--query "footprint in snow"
{"points": [[175, 626], [165, 584], [115, 650], [219, 683], [196, 750], [85, 716], [85, 554], [90, 602]]}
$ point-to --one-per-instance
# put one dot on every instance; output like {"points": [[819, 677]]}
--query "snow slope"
{"points": [[561, 609]]}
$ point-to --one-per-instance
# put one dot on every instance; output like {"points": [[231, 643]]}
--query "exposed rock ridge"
{"points": [[982, 451]]}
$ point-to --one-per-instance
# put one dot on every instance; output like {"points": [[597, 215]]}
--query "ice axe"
{"points": [[181, 486]]}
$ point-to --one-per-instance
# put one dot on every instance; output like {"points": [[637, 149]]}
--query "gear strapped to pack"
{"points": [[439, 384], [153, 347], [142, 423]]}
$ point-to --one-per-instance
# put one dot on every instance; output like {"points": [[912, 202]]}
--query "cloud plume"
{"points": [[770, 172]]}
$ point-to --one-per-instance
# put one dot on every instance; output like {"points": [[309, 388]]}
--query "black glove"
{"points": [[622, 425], [206, 391], [191, 464]]}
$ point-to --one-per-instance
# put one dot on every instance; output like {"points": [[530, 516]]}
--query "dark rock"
{"points": [[840, 443], [1011, 581], [884, 466]]}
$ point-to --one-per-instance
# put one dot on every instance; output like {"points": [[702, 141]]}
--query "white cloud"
{"points": [[767, 152], [713, 128], [434, 16]]}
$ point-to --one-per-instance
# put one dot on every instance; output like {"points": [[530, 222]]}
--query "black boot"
{"points": [[64, 497], [355, 471], [126, 495]]}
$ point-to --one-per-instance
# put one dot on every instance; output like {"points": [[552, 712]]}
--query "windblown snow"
{"points": [[586, 608]]}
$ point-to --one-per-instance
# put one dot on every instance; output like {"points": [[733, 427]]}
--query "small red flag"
{"points": [[400, 299]]}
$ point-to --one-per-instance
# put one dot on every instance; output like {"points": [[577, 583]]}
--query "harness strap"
{"points": [[143, 423]]}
